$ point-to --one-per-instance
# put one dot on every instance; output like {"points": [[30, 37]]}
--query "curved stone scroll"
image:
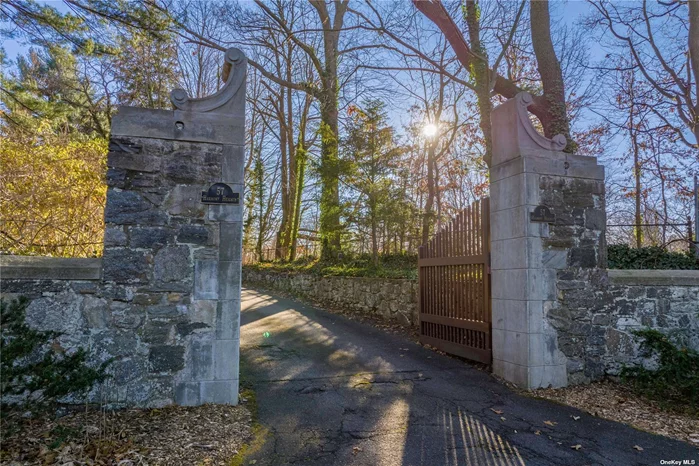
{"points": [[513, 132], [223, 101], [524, 100]]}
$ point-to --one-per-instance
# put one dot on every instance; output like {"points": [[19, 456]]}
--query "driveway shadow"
{"points": [[332, 391]]}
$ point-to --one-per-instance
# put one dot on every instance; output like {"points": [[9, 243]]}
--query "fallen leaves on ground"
{"points": [[550, 423], [619, 403], [576, 447], [208, 435]]}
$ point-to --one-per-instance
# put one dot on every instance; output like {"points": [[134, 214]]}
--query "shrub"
{"points": [[676, 378], [33, 369], [621, 256]]}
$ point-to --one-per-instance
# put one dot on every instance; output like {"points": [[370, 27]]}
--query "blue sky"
{"points": [[568, 11]]}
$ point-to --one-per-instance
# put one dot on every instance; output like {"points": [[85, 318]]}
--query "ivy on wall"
{"points": [[621, 256]]}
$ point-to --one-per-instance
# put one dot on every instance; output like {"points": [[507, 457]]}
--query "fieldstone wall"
{"points": [[388, 299], [105, 320], [595, 326]]}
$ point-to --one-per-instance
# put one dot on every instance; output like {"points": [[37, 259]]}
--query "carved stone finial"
{"points": [[223, 101], [513, 132]]}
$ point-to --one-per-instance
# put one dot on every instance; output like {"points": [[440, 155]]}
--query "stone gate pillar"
{"points": [[547, 239], [172, 253]]}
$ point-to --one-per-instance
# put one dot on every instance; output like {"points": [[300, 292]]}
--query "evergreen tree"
{"points": [[371, 153]]}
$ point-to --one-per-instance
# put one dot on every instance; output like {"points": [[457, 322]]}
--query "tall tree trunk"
{"points": [[480, 72], [287, 224], [261, 224], [694, 58], [636, 166], [555, 119], [329, 177], [428, 216], [330, 228], [374, 233], [301, 161], [284, 156]]}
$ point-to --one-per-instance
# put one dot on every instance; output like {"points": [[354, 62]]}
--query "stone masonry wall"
{"points": [[161, 257], [596, 327], [389, 299], [577, 251], [102, 320], [111, 320]]}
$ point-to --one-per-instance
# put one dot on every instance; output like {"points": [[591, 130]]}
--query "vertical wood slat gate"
{"points": [[454, 285]]}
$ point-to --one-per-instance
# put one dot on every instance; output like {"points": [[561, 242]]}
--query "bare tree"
{"points": [[662, 40], [548, 107]]}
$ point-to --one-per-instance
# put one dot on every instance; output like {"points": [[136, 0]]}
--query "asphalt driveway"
{"points": [[332, 391]]}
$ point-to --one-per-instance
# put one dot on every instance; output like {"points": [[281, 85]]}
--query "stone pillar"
{"points": [[173, 262], [539, 256]]}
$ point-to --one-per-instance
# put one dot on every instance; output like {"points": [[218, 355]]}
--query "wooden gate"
{"points": [[454, 274]]}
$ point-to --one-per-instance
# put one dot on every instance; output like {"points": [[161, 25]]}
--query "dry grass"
{"points": [[203, 435], [619, 403]]}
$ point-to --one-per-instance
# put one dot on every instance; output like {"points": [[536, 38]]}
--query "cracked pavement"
{"points": [[332, 391]]}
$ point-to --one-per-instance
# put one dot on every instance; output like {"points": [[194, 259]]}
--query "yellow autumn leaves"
{"points": [[52, 194]]}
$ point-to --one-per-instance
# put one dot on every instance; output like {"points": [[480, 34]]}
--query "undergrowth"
{"points": [[390, 266], [34, 370], [675, 380]]}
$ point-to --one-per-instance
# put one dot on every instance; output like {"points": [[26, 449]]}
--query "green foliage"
{"points": [[621, 256], [370, 158], [33, 368], [676, 380], [329, 171], [50, 91], [361, 265], [146, 68]]}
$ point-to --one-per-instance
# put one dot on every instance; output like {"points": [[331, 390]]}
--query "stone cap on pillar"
{"points": [[218, 118], [513, 132], [225, 100]]}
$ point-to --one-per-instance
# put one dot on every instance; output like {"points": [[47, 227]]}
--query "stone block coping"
{"points": [[654, 277], [49, 268]]}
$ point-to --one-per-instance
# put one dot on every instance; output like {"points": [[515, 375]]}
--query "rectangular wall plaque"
{"points": [[542, 214], [220, 193]]}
